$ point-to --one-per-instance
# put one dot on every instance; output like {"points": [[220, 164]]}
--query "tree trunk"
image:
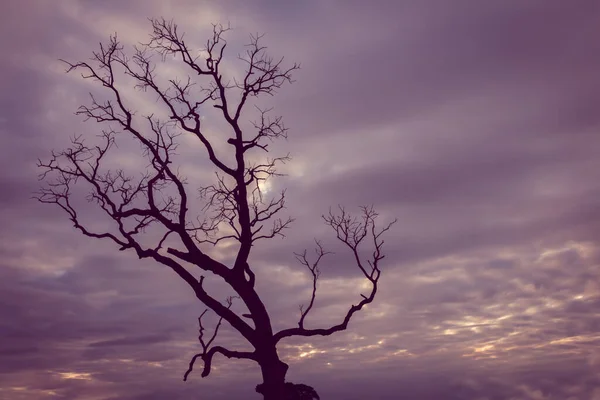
{"points": [[273, 373]]}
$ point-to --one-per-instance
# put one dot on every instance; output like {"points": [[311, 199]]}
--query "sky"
{"points": [[475, 123]]}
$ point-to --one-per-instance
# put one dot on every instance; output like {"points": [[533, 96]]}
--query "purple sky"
{"points": [[473, 122]]}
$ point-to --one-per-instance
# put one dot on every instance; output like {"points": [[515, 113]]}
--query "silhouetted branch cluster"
{"points": [[236, 204], [115, 192], [159, 197], [352, 232]]}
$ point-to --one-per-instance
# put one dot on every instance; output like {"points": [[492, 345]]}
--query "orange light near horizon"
{"points": [[86, 376]]}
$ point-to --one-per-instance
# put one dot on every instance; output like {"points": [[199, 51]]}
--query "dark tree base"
{"points": [[295, 391]]}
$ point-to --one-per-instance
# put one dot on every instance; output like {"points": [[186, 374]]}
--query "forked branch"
{"points": [[208, 352], [352, 232], [313, 268]]}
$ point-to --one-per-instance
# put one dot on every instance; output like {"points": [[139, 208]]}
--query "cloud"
{"points": [[473, 123]]}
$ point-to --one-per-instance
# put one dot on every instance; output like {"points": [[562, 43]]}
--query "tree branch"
{"points": [[208, 356], [208, 352], [351, 231], [315, 272]]}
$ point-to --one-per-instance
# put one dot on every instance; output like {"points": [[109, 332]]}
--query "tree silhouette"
{"points": [[235, 208]]}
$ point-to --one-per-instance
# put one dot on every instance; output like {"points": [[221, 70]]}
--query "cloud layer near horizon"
{"points": [[474, 123]]}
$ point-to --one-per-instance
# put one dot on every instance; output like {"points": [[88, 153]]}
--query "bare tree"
{"points": [[235, 207]]}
